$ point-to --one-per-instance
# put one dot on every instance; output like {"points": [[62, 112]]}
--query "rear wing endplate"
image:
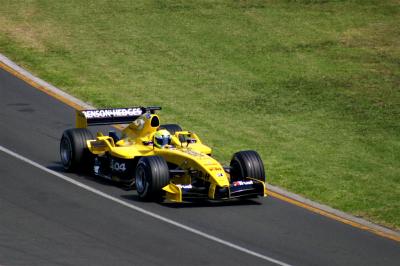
{"points": [[96, 117]]}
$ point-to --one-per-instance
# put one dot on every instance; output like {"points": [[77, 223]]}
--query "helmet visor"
{"points": [[163, 140]]}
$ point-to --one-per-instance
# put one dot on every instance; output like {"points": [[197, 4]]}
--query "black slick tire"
{"points": [[247, 164], [151, 175], [172, 128], [74, 153]]}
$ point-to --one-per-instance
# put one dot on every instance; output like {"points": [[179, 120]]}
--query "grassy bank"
{"points": [[312, 85]]}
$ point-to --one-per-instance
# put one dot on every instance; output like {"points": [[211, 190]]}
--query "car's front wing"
{"points": [[237, 189]]}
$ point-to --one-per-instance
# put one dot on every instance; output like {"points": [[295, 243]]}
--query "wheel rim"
{"points": [[236, 171], [140, 180], [66, 151]]}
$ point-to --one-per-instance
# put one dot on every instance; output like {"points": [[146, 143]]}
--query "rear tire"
{"points": [[172, 128], [247, 164], [152, 174], [74, 153]]}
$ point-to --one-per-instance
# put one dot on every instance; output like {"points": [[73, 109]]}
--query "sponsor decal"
{"points": [[109, 113], [139, 123], [194, 153], [215, 169], [242, 183], [185, 186], [96, 166]]}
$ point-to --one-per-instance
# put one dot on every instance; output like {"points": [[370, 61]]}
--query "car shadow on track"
{"points": [[57, 167], [209, 204], [197, 203]]}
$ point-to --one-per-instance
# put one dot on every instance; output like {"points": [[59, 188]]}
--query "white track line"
{"points": [[143, 211]]}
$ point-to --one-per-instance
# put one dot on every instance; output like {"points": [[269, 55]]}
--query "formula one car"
{"points": [[160, 161]]}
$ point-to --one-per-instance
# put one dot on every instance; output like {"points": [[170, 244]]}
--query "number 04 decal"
{"points": [[119, 167]]}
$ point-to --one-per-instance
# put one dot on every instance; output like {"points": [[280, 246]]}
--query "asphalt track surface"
{"points": [[45, 220]]}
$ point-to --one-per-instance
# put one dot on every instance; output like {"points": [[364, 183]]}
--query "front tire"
{"points": [[247, 164], [152, 174], [73, 149]]}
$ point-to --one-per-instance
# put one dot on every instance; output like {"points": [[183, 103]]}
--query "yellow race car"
{"points": [[160, 161]]}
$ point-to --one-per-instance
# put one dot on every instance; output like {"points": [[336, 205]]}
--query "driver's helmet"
{"points": [[161, 138]]}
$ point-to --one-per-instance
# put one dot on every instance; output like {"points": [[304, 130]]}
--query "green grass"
{"points": [[313, 86]]}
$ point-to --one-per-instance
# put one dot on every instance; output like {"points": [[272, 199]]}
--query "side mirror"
{"points": [[190, 140]]}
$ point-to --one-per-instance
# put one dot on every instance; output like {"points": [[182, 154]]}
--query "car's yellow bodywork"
{"points": [[186, 151]]}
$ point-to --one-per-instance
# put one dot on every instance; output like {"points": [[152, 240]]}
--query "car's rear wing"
{"points": [[95, 117]]}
